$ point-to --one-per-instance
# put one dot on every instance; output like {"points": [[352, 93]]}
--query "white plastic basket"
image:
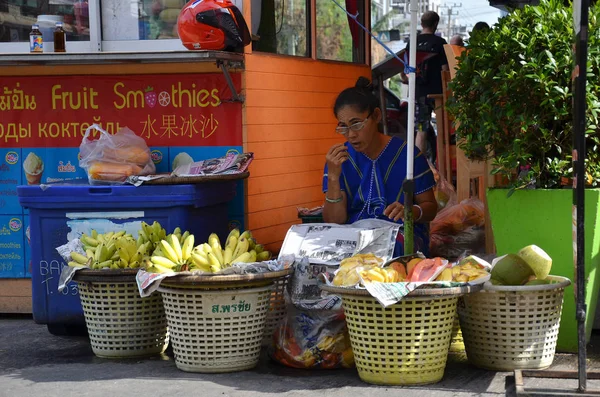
{"points": [[120, 323], [277, 309], [216, 329], [506, 328]]}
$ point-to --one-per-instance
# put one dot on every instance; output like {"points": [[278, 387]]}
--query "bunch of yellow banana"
{"points": [[377, 274], [130, 254], [114, 250], [151, 233], [173, 256], [239, 248], [347, 275]]}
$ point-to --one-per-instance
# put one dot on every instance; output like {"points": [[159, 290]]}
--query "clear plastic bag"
{"points": [[458, 228], [113, 158], [444, 192], [313, 334]]}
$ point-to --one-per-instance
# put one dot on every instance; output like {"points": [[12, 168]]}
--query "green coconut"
{"points": [[538, 260], [511, 269], [538, 282], [496, 282]]}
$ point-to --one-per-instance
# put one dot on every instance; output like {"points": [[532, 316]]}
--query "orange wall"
{"points": [[289, 125]]}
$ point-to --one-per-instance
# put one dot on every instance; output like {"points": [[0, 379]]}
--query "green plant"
{"points": [[512, 96]]}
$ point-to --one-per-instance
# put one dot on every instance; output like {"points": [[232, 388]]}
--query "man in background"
{"points": [[457, 40], [429, 80]]}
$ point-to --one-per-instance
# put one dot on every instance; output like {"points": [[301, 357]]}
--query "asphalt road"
{"points": [[35, 363]]}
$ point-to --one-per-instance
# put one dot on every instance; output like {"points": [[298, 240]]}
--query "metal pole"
{"points": [[408, 185], [382, 104], [580, 16]]}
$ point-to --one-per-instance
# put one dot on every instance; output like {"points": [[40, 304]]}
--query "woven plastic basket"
{"points": [[457, 344], [507, 328], [120, 323], [403, 344], [277, 309], [216, 329]]}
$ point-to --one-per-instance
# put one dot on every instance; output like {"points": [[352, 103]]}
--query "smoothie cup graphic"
{"points": [[33, 167]]}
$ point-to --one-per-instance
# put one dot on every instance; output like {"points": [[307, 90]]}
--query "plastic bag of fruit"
{"points": [[111, 159], [313, 334], [313, 339]]}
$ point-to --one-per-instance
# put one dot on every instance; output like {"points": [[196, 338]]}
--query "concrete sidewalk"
{"points": [[35, 363]]}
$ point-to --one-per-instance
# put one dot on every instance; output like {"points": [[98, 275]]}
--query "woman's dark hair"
{"points": [[360, 96]]}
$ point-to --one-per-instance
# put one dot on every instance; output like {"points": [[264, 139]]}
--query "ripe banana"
{"points": [[168, 251], [243, 258], [215, 265], [233, 233], [162, 261], [215, 244], [75, 264], [188, 245], [176, 247], [242, 246], [77, 257], [227, 256]]}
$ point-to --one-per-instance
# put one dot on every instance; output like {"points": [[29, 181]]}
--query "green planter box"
{"points": [[543, 218]]}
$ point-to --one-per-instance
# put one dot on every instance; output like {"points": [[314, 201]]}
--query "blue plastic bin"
{"points": [[60, 210]]}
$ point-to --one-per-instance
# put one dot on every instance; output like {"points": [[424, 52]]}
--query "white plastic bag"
{"points": [[113, 158]]}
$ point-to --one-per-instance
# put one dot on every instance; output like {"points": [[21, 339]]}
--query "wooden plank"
{"points": [[15, 304], [284, 82], [291, 148], [452, 53], [117, 69], [15, 287], [15, 295], [283, 166], [285, 99], [286, 116], [263, 62], [276, 183], [278, 216], [277, 132], [295, 197]]}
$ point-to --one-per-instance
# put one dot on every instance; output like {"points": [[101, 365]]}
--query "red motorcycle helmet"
{"points": [[212, 25]]}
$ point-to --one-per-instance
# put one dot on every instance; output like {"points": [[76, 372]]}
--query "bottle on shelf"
{"points": [[36, 40], [60, 38]]}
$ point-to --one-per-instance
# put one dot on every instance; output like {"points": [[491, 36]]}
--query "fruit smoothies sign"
{"points": [[166, 110]]}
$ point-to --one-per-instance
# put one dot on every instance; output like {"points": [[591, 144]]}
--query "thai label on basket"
{"points": [[329, 244], [229, 305]]}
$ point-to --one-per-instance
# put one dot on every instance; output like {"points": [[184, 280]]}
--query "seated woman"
{"points": [[363, 176]]}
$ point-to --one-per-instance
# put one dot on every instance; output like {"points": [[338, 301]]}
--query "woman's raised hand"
{"points": [[394, 211], [336, 156]]}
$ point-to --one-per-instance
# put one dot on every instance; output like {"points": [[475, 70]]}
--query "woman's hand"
{"points": [[394, 211], [336, 156]]}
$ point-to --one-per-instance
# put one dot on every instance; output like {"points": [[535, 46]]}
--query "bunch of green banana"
{"points": [[110, 250], [173, 257], [151, 233], [212, 257]]}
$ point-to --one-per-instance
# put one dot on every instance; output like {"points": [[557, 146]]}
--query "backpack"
{"points": [[423, 62]]}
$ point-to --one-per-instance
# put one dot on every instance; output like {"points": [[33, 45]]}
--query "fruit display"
{"points": [[347, 276], [530, 266], [363, 268], [176, 255], [467, 270], [158, 252]]}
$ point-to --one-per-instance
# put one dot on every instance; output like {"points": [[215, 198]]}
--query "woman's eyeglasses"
{"points": [[354, 127]]}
